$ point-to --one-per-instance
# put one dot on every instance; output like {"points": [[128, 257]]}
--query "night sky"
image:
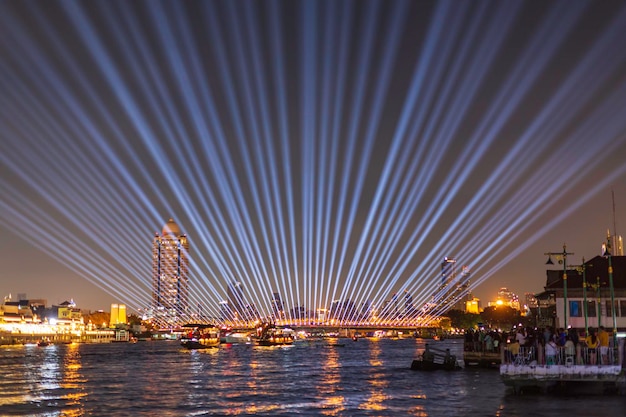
{"points": [[325, 150]]}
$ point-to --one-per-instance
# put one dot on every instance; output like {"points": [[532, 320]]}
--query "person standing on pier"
{"points": [[520, 337], [570, 351], [551, 352], [603, 343], [592, 345]]}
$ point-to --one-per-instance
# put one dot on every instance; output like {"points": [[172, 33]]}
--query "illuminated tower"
{"points": [[448, 271], [170, 273]]}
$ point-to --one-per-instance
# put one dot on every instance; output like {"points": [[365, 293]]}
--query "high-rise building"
{"points": [[277, 306], [118, 315], [236, 301], [453, 290], [448, 271], [170, 273]]}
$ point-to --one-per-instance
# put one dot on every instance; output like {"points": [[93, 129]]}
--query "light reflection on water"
{"points": [[332, 377]]}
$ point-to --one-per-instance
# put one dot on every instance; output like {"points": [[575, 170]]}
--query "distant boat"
{"points": [[276, 336], [200, 336], [235, 338]]}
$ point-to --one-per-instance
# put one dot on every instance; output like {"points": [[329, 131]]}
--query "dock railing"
{"points": [[558, 355]]}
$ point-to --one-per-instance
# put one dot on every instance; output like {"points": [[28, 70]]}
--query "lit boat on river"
{"points": [[200, 336], [271, 335]]}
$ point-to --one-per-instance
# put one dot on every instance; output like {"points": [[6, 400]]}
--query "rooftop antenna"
{"points": [[616, 239]]}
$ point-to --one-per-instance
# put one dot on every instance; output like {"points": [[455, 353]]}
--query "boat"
{"points": [[271, 335], [434, 360], [200, 336], [44, 343], [235, 338]]}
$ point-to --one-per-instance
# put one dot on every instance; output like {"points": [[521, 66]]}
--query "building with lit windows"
{"points": [[118, 315], [278, 307], [170, 275], [236, 302], [506, 298], [601, 287], [453, 291]]}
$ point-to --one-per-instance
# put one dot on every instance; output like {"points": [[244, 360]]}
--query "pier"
{"points": [[528, 367]]}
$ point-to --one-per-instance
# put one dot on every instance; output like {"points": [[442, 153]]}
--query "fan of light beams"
{"points": [[330, 152]]}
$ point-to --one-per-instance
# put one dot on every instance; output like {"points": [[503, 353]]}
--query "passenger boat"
{"points": [[200, 336], [275, 336], [435, 359]]}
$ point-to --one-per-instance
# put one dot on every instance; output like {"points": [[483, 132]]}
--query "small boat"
{"points": [[271, 335], [43, 343], [235, 338], [434, 359], [200, 336]]}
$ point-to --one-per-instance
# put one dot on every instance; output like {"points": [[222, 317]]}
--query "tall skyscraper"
{"points": [[277, 306], [448, 271], [236, 301], [170, 273]]}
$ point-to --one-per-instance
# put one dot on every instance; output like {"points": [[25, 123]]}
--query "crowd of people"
{"points": [[557, 346]]}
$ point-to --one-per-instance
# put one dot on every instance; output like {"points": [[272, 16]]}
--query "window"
{"points": [[591, 309], [575, 309], [609, 310]]}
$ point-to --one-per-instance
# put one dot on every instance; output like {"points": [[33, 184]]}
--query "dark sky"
{"points": [[324, 150]]}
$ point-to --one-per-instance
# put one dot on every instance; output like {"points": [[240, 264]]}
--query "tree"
{"points": [[501, 316], [134, 319], [98, 318], [462, 320]]}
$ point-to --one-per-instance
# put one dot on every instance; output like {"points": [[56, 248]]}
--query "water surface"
{"points": [[370, 377]]}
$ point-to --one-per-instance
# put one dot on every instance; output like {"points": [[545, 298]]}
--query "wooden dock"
{"points": [[482, 359]]}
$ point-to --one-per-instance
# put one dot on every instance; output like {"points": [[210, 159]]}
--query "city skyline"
{"points": [[320, 151]]}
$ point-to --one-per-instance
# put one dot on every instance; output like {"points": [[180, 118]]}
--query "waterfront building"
{"points": [[68, 312], [595, 289], [170, 274], [16, 312]]}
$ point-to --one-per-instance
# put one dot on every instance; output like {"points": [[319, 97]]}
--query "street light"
{"points": [[562, 258], [583, 268], [607, 253]]}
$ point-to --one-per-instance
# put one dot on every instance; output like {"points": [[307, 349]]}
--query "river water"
{"points": [[370, 377]]}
